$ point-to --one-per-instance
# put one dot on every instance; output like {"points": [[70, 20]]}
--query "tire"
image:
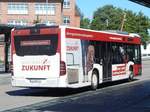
{"points": [[94, 80], [131, 75]]}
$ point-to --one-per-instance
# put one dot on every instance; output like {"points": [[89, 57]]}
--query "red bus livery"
{"points": [[59, 56]]}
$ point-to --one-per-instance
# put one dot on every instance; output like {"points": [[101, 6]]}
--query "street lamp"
{"points": [[107, 22], [123, 21], [46, 11]]}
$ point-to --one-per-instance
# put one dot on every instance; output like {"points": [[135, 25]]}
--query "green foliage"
{"points": [[111, 18], [85, 23], [37, 20], [142, 26], [1, 61], [107, 18]]}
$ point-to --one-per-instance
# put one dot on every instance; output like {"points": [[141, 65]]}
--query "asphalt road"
{"points": [[122, 96]]}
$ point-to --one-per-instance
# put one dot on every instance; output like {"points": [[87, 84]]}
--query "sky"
{"points": [[88, 7]]}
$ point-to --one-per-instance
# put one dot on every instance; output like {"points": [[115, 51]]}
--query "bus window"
{"points": [[70, 59], [130, 52], [98, 52], [137, 57], [118, 53], [36, 45]]}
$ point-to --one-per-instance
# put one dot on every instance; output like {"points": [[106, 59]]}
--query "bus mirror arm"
{"points": [[101, 61], [134, 59]]}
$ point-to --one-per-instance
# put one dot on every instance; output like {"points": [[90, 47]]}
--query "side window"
{"points": [[137, 54], [73, 52], [134, 53], [107, 52], [130, 52], [114, 58], [119, 53], [123, 54], [98, 52], [70, 59]]}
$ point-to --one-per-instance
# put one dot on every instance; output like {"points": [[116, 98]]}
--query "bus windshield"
{"points": [[36, 44]]}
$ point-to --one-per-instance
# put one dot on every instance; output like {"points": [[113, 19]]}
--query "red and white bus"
{"points": [[66, 57]]}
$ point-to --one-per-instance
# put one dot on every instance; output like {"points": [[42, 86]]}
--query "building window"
{"points": [[17, 22], [50, 23], [0, 8], [43, 8], [66, 4], [17, 8], [66, 20]]}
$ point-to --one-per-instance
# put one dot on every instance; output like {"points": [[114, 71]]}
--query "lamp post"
{"points": [[107, 23], [46, 11], [123, 21]]}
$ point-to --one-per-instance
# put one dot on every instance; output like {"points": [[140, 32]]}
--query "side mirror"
{"points": [[101, 61]]}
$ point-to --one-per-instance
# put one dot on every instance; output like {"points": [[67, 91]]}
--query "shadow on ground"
{"points": [[59, 92]]}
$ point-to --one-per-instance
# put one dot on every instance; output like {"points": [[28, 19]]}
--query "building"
{"points": [[27, 12], [71, 14], [51, 12], [145, 51]]}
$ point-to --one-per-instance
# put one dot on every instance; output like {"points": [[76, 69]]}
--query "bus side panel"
{"points": [[119, 71], [83, 57]]}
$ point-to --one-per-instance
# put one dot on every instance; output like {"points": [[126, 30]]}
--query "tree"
{"points": [[85, 23], [111, 18], [143, 24], [107, 18], [130, 23], [37, 20]]}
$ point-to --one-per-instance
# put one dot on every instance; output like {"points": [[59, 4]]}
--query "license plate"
{"points": [[35, 81]]}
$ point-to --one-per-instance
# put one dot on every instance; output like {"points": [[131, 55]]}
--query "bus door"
{"points": [[107, 62], [74, 60]]}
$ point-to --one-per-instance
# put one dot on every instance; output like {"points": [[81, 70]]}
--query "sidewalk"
{"points": [[5, 78], [145, 59]]}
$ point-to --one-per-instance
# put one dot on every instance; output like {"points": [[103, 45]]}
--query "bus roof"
{"points": [[113, 32], [36, 26], [85, 34]]}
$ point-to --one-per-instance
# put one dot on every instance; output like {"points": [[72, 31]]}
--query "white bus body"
{"points": [[67, 65]]}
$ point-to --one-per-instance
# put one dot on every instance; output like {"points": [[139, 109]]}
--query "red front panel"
{"points": [[137, 69]]}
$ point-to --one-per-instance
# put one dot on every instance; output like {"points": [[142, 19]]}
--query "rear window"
{"points": [[36, 44]]}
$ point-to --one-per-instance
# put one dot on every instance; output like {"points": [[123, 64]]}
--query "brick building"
{"points": [[26, 12]]}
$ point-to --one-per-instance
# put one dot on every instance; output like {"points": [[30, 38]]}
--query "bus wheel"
{"points": [[94, 80], [131, 75]]}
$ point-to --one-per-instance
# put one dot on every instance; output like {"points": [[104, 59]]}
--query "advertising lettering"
{"points": [[119, 71], [35, 42], [72, 48], [35, 67]]}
